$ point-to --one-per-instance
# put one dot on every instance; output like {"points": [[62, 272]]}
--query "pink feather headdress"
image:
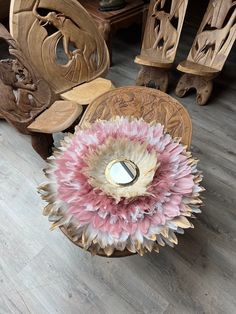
{"points": [[140, 217]]}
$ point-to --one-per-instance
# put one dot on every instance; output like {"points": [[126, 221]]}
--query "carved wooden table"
{"points": [[108, 23]]}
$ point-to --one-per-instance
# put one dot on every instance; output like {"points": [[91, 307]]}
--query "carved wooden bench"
{"points": [[210, 49], [59, 61]]}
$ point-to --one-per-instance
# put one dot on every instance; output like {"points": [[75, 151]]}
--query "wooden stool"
{"points": [[109, 22], [210, 49], [160, 42]]}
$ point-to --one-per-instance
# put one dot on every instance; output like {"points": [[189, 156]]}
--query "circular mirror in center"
{"points": [[122, 172]]}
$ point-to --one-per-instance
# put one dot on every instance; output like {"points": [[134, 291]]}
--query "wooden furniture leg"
{"points": [[202, 85], [105, 31], [42, 143], [153, 77]]}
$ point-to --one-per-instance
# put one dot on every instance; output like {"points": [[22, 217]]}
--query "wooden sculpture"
{"points": [[137, 102], [23, 94], [49, 94], [85, 53], [111, 5], [210, 50], [161, 38]]}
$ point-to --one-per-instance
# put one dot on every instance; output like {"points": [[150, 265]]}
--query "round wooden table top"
{"points": [[139, 102]]}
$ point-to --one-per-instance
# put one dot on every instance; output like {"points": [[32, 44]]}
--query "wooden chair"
{"points": [[139, 102], [210, 49], [41, 95], [161, 38]]}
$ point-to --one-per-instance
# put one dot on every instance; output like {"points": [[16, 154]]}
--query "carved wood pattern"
{"points": [[85, 61], [162, 31], [216, 35], [210, 49], [153, 77], [23, 95], [150, 104], [201, 84]]}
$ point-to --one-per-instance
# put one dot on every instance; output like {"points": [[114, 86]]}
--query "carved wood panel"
{"points": [[142, 102], [163, 28], [42, 26], [23, 95], [216, 35]]}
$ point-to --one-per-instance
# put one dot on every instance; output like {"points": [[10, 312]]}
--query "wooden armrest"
{"points": [[60, 116], [84, 94]]}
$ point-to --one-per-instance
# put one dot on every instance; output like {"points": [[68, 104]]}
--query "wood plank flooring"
{"points": [[41, 272]]}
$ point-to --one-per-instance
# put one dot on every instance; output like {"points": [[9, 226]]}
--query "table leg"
{"points": [[42, 143], [105, 30]]}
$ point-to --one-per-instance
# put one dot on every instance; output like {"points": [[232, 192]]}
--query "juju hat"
{"points": [[101, 216]]}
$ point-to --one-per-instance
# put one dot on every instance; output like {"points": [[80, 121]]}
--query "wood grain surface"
{"points": [[41, 272], [142, 102], [209, 51], [161, 37], [23, 94], [84, 55]]}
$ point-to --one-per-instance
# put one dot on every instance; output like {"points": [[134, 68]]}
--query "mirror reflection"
{"points": [[122, 172]]}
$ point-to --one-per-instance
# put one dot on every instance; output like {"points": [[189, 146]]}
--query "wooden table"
{"points": [[108, 23]]}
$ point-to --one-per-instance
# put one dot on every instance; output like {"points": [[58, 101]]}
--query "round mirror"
{"points": [[122, 172]]}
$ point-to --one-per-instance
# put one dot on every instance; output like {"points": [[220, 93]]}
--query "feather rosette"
{"points": [[101, 217]]}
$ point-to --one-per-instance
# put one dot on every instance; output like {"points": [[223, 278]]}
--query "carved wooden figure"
{"points": [[23, 94], [210, 50], [161, 38], [84, 50], [37, 77]]}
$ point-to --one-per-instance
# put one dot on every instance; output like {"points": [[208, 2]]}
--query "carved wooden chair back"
{"points": [[216, 35], [61, 60], [61, 41], [160, 42], [163, 31], [210, 49]]}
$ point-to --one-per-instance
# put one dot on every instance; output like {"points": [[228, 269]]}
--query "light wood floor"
{"points": [[41, 272]]}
